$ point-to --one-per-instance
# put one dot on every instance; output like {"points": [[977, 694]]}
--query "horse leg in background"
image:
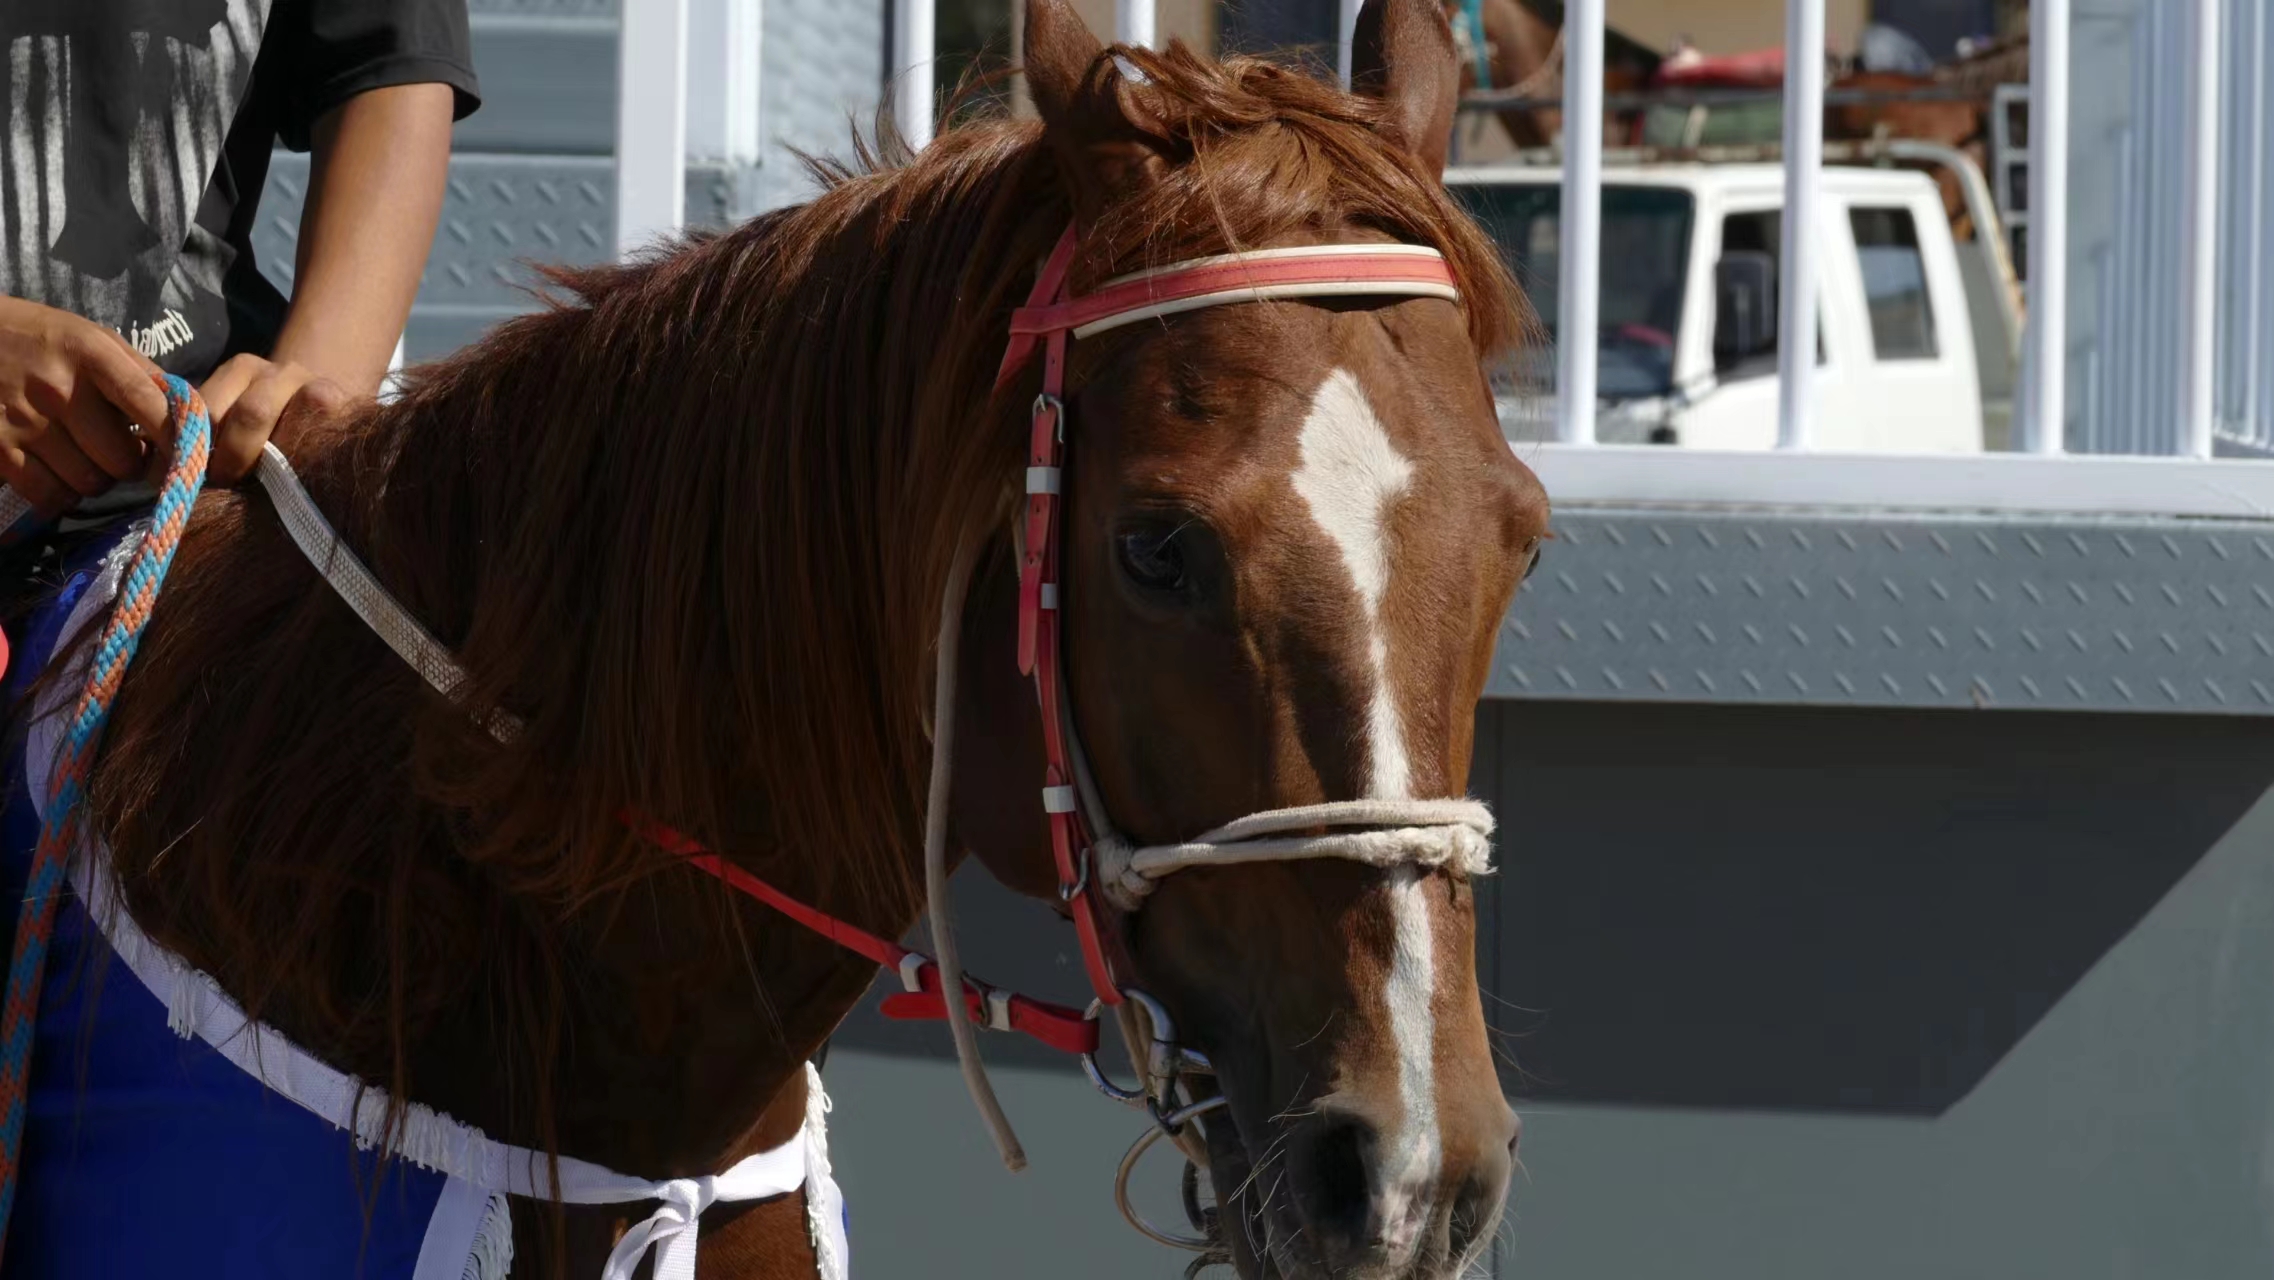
{"points": [[1522, 46]]}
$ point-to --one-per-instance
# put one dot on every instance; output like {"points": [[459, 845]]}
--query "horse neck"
{"points": [[692, 529]]}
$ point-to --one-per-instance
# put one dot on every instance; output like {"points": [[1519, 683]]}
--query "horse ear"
{"points": [[1402, 53], [1108, 139]]}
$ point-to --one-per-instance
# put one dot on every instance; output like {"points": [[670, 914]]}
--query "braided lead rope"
{"points": [[61, 831]]}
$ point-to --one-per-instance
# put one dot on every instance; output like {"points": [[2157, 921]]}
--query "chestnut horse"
{"points": [[692, 524]]}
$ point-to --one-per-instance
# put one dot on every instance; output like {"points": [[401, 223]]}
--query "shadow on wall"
{"points": [[1812, 909], [1771, 908]]}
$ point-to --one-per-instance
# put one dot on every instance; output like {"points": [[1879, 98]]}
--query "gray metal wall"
{"points": [[1792, 994]]}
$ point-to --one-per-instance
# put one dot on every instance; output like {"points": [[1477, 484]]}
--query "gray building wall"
{"points": [[1791, 994], [532, 174]]}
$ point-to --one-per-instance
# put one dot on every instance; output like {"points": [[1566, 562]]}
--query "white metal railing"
{"points": [[2044, 393], [2245, 394], [2186, 328], [2182, 294], [2175, 356], [913, 52], [1580, 229], [1580, 223], [1803, 196]]}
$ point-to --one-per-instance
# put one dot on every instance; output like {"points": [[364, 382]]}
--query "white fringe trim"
{"points": [[492, 1256]]}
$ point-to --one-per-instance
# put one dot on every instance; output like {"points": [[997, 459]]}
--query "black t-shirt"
{"points": [[135, 138]]}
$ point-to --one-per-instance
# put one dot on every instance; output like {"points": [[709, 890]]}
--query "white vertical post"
{"points": [[1579, 270], [2043, 424], [651, 122], [1803, 162], [723, 49], [2200, 272], [1133, 23], [1346, 26], [2249, 183], [912, 50]]}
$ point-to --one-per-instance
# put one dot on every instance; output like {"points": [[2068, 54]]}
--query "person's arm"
{"points": [[381, 160]]}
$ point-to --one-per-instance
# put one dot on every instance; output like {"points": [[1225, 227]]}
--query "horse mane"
{"points": [[690, 521]]}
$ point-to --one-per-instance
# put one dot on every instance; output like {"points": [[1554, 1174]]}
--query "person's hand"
{"points": [[249, 398], [77, 406]]}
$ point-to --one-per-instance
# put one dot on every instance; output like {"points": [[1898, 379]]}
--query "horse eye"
{"points": [[1153, 558], [1539, 550]]}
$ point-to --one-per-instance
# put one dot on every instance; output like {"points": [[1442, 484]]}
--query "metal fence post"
{"points": [[1803, 163], [2199, 275], [2044, 424], [912, 57], [1134, 23], [1579, 269], [651, 122]]}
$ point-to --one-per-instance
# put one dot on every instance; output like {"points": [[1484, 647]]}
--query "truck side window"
{"points": [[1894, 283], [1758, 234]]}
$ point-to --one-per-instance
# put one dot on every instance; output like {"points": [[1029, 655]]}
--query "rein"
{"points": [[61, 831]]}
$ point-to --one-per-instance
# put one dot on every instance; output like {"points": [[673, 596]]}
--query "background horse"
{"points": [[692, 525], [1517, 47]]}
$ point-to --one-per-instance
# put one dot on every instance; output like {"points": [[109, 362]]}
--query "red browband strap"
{"points": [[1049, 320]]}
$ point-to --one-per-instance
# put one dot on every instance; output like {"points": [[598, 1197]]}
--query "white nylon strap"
{"points": [[362, 591]]}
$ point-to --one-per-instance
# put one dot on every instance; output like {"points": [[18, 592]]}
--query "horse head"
{"points": [[1294, 528]]}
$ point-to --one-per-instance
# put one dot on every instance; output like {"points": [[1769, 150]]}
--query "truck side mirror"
{"points": [[1744, 306]]}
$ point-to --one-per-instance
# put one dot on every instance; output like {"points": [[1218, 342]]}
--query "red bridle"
{"points": [[1049, 321]]}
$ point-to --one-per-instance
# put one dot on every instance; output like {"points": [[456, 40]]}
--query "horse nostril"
{"points": [[1478, 1199], [1338, 1182]]}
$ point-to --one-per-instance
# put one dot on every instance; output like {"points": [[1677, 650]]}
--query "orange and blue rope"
{"points": [[60, 832]]}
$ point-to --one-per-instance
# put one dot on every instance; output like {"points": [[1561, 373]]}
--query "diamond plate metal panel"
{"points": [[499, 214], [1898, 611], [503, 213]]}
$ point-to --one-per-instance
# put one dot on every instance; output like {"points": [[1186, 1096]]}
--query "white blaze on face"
{"points": [[1351, 475]]}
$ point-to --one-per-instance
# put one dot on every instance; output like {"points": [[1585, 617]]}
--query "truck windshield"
{"points": [[1645, 256]]}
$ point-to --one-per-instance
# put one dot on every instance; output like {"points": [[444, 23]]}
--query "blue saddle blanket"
{"points": [[148, 1154]]}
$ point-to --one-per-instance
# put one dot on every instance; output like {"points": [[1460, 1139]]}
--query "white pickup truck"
{"points": [[1912, 346]]}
